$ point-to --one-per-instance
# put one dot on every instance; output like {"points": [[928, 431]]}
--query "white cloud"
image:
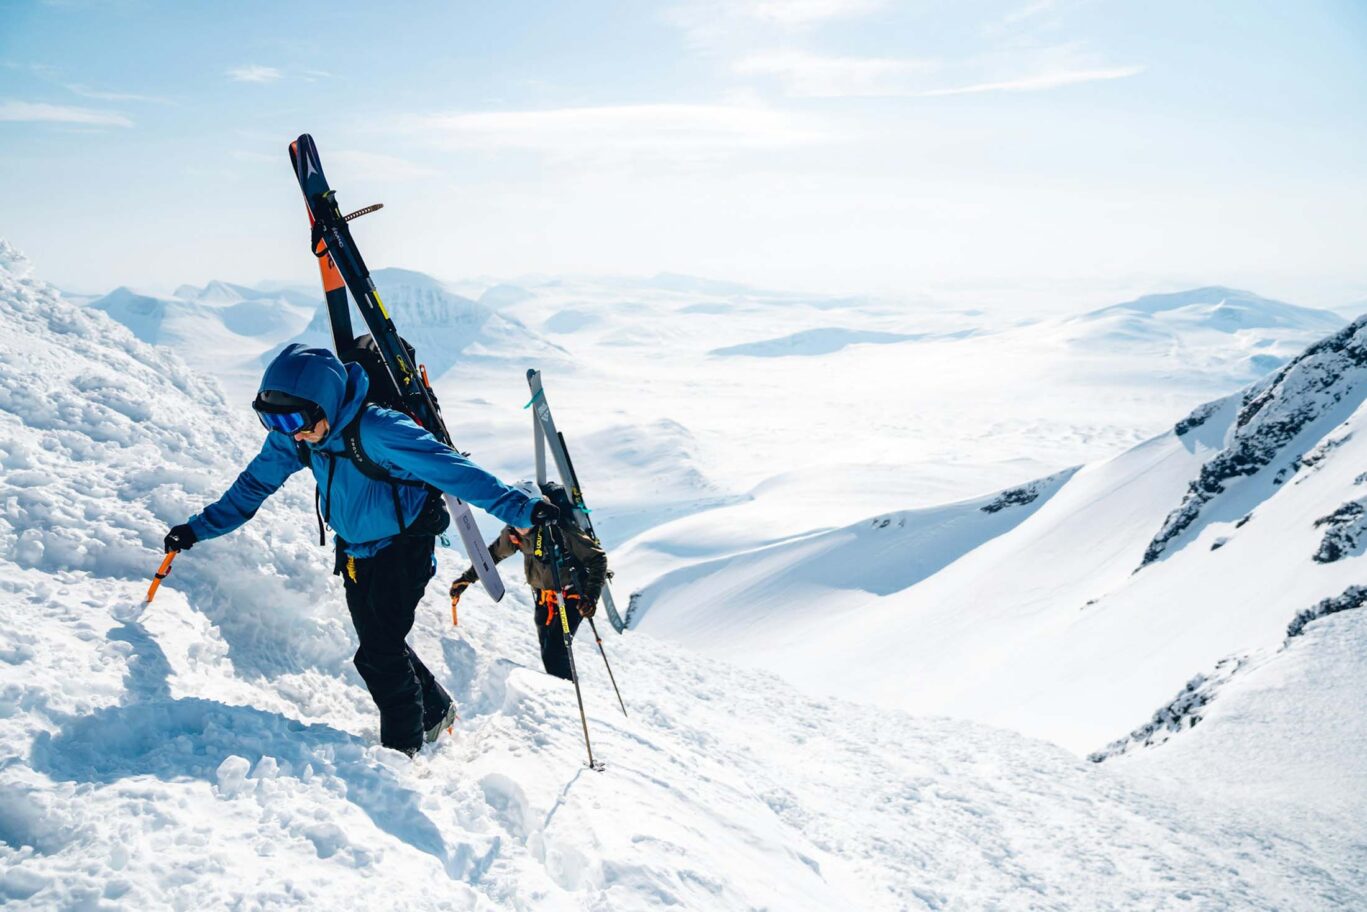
{"points": [[1029, 11], [1040, 82], [803, 12], [723, 23], [377, 167], [812, 76], [626, 128], [39, 112], [254, 73], [100, 95]]}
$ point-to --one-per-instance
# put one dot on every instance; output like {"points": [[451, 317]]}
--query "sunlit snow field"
{"points": [[805, 494]]}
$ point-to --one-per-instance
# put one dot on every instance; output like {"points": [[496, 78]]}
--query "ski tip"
{"points": [[531, 372]]}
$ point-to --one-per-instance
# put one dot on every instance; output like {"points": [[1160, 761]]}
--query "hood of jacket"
{"points": [[317, 375]]}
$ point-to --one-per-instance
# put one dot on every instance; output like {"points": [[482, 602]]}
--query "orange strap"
{"points": [[547, 598]]}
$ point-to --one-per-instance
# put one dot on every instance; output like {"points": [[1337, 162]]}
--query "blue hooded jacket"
{"points": [[359, 509]]}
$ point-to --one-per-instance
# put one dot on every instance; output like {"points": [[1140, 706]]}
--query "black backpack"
{"points": [[557, 495], [433, 519]]}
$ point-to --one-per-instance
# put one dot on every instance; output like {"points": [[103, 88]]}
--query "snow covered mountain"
{"points": [[1121, 582], [216, 748], [223, 328], [1206, 340], [185, 319], [1226, 310], [444, 327]]}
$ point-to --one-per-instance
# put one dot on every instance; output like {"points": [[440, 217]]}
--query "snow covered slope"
{"points": [[1281, 729], [222, 328], [773, 605], [1253, 504], [216, 749]]}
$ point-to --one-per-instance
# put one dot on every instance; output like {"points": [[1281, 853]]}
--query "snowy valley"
{"points": [[930, 609]]}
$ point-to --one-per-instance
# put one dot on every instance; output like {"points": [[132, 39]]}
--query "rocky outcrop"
{"points": [[1344, 529], [1183, 712], [1352, 597], [1272, 417]]}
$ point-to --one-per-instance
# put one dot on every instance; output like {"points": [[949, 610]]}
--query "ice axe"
{"points": [[162, 572]]}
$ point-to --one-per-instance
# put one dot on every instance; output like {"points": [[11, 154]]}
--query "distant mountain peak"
{"points": [[394, 276], [1223, 308]]}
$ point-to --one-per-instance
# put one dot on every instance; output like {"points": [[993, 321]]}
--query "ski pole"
{"points": [[574, 676], [162, 572], [594, 628], [555, 560]]}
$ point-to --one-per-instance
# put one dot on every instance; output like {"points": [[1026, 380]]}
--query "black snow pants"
{"points": [[552, 634], [382, 593]]}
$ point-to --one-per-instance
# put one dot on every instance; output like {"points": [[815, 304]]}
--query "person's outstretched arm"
{"points": [[263, 476], [395, 442]]}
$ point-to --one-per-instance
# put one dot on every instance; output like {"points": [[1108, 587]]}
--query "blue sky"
{"points": [[1034, 147]]}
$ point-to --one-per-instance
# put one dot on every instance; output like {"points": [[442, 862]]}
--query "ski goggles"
{"points": [[287, 423], [287, 418]]}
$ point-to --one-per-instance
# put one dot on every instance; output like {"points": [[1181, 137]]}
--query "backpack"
{"points": [[557, 495], [433, 519]]}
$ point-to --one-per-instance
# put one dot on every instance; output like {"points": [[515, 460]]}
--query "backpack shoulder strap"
{"points": [[351, 439]]}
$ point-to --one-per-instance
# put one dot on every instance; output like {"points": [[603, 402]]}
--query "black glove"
{"points": [[587, 609], [180, 538], [544, 512], [457, 590]]}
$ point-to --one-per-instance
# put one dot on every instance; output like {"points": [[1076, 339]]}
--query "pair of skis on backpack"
{"points": [[343, 269]]}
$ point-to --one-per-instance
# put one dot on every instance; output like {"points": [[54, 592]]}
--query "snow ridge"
{"points": [[1183, 712], [1277, 418], [1027, 493], [1186, 710], [1352, 597]]}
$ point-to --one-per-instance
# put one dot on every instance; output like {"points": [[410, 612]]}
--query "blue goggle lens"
{"points": [[285, 422]]}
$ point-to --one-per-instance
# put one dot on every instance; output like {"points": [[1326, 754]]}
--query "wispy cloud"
{"points": [[40, 112], [803, 12], [378, 167], [1029, 11], [812, 76], [254, 73], [1040, 82], [661, 127], [719, 23], [101, 95]]}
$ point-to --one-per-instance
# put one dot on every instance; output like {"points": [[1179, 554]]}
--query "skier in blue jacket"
{"points": [[385, 532]]}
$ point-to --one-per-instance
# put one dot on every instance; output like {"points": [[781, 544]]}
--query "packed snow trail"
{"points": [[216, 749]]}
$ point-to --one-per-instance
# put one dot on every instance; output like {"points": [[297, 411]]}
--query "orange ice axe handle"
{"points": [[162, 572]]}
